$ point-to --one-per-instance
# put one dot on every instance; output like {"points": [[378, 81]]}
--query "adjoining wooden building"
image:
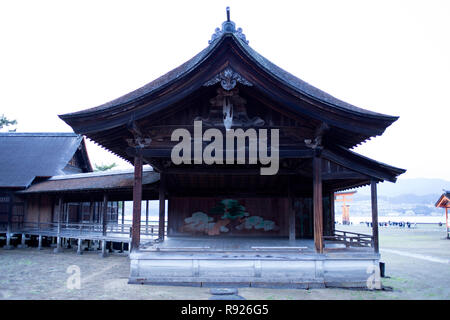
{"points": [[85, 207], [227, 223], [50, 196], [444, 202], [28, 158], [48, 192]]}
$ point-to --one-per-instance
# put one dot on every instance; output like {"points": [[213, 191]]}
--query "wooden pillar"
{"points": [[66, 211], [9, 225], [79, 246], [123, 215], [39, 211], [318, 204], [8, 245], [446, 223], [291, 212], [104, 214], [146, 216], [332, 214], [137, 202], [162, 206], [104, 254], [40, 242], [22, 242], [91, 211], [374, 201], [58, 217]]}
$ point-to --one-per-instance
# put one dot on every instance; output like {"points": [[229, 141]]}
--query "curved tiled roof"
{"points": [[285, 77]]}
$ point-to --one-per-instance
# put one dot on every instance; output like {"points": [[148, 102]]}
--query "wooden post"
{"points": [[146, 216], [22, 242], [104, 214], [123, 215], [317, 204], [91, 212], [162, 206], [58, 238], [104, 254], [66, 211], [8, 245], [291, 212], [40, 242], [39, 212], [446, 223], [374, 201], [332, 214], [79, 246], [137, 202]]}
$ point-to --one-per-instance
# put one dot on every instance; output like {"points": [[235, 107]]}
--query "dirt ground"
{"points": [[417, 266]]}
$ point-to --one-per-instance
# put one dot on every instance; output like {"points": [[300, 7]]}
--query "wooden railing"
{"points": [[83, 229], [350, 239]]}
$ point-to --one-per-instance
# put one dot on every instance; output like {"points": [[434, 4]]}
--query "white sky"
{"points": [[387, 56]]}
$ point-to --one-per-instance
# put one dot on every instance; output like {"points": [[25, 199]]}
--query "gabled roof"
{"points": [[229, 47], [107, 180], [26, 156], [444, 200]]}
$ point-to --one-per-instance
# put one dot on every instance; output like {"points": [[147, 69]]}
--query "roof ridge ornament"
{"points": [[228, 26], [228, 79]]}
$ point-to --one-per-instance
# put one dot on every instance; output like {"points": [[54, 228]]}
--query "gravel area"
{"points": [[417, 266]]}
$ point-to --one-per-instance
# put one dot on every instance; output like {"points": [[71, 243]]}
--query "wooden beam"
{"points": [[166, 152], [344, 176], [374, 201], [210, 170], [317, 204], [162, 206], [137, 202]]}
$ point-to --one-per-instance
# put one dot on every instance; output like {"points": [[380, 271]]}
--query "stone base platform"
{"points": [[265, 263]]}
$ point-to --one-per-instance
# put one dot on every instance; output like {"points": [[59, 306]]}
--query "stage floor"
{"points": [[246, 244]]}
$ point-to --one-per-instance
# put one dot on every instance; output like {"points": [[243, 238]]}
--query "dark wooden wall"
{"points": [[275, 209]]}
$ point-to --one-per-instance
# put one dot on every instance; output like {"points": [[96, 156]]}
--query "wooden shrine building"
{"points": [[444, 202], [228, 222]]}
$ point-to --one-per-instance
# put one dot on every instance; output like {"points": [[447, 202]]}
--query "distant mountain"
{"points": [[407, 196], [417, 187]]}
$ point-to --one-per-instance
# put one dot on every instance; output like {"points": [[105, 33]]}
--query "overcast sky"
{"points": [[391, 57]]}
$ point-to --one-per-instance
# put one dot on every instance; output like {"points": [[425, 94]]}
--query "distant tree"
{"points": [[104, 167], [4, 122]]}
